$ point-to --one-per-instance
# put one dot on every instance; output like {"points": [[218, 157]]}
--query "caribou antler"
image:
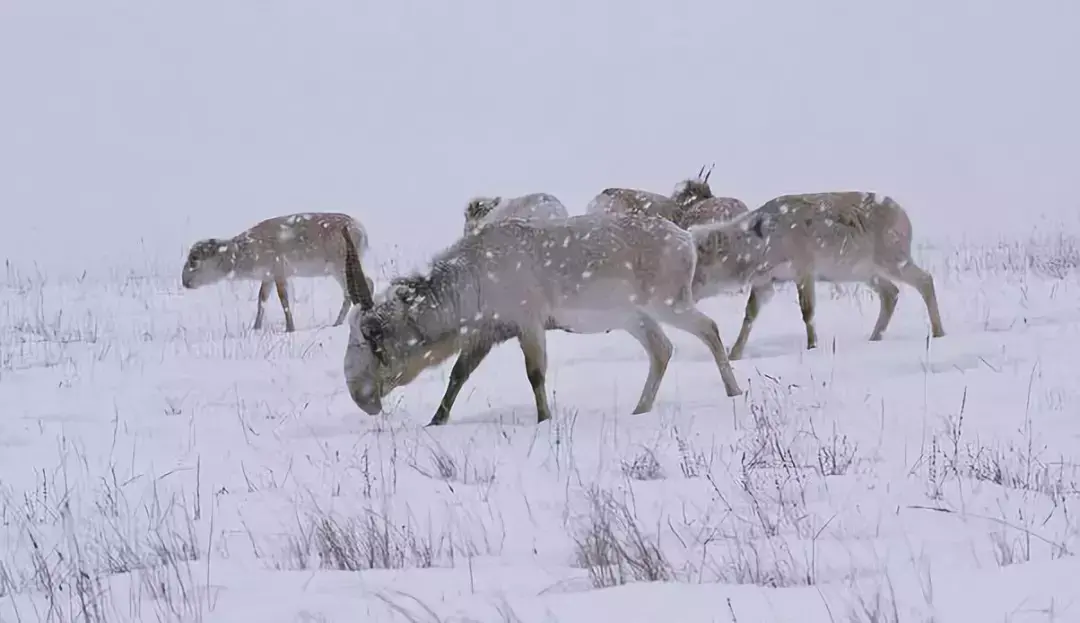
{"points": [[707, 173], [355, 280]]}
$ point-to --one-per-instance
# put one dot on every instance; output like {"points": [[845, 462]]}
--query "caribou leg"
{"points": [[475, 350], [283, 294], [805, 289], [909, 273], [651, 336], [888, 294], [260, 311], [760, 294], [466, 364], [704, 328], [534, 346]]}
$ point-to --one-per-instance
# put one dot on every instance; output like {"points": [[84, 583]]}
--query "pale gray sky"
{"points": [[172, 121]]}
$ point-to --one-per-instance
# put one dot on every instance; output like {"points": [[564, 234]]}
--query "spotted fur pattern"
{"points": [[274, 250], [518, 278], [483, 210], [803, 238]]}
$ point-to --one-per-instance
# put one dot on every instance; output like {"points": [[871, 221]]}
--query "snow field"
{"points": [[162, 461]]}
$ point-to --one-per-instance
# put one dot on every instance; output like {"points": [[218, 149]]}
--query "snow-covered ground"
{"points": [[162, 461]]}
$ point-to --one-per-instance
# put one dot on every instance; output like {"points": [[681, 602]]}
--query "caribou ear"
{"points": [[356, 282]]}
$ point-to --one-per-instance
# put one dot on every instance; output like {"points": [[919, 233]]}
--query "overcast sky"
{"points": [[171, 121]]}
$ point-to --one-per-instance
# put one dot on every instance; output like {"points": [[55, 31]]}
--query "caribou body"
{"points": [[633, 201], [270, 252], [483, 210], [518, 278], [692, 203], [831, 237], [698, 206]]}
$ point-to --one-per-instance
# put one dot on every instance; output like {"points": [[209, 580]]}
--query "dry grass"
{"points": [[613, 547]]}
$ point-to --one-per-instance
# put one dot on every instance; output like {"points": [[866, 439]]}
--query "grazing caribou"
{"points": [[698, 205], [294, 245], [518, 278], [832, 237], [483, 210]]}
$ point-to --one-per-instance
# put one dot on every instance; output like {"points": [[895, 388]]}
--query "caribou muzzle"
{"points": [[368, 401]]}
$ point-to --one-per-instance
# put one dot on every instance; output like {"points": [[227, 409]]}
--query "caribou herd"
{"points": [[634, 261]]}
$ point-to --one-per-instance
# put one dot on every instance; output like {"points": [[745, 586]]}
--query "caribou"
{"points": [[518, 278], [832, 237], [691, 203], [698, 206], [272, 251], [482, 210], [633, 201]]}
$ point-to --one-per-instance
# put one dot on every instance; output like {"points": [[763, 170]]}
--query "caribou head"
{"points": [[689, 192], [479, 207], [388, 346], [208, 262]]}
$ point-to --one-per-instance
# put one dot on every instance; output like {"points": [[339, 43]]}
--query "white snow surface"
{"points": [[163, 461]]}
